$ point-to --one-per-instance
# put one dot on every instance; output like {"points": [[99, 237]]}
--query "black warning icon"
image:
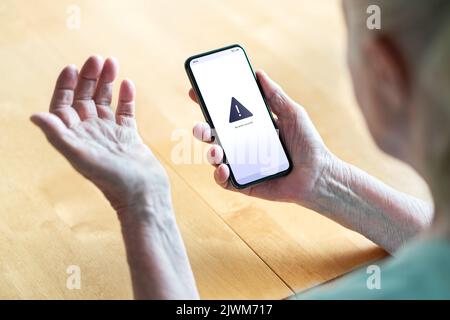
{"points": [[238, 111]]}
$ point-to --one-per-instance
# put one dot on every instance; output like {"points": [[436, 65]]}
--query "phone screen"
{"points": [[227, 88]]}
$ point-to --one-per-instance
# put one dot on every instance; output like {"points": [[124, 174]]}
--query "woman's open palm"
{"points": [[103, 146]]}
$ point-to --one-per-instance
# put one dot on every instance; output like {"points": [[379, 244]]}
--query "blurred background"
{"points": [[51, 218]]}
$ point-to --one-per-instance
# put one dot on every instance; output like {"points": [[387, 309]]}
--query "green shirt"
{"points": [[420, 270]]}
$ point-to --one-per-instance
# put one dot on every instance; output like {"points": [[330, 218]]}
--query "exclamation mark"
{"points": [[237, 109]]}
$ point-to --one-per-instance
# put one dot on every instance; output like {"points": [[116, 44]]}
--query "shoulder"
{"points": [[421, 270]]}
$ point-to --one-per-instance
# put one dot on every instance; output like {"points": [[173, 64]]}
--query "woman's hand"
{"points": [[103, 146], [309, 154], [322, 182], [106, 148]]}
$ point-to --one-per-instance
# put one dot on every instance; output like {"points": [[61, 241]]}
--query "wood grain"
{"points": [[239, 247]]}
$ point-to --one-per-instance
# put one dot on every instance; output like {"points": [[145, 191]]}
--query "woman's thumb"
{"points": [[278, 101]]}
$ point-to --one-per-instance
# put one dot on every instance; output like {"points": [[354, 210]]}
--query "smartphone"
{"points": [[234, 106]]}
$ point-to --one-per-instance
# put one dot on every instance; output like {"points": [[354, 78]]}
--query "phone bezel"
{"points": [[187, 66]]}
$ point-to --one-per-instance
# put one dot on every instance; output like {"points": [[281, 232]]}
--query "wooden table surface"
{"points": [[239, 247]]}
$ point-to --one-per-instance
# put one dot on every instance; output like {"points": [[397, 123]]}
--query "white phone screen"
{"points": [[239, 115]]}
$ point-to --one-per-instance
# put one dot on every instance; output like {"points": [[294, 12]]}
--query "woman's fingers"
{"points": [[202, 131], [103, 93], [86, 86], [221, 175], [63, 95], [78, 97], [125, 113], [215, 155], [192, 95]]}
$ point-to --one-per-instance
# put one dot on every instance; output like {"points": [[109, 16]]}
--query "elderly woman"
{"points": [[401, 76]]}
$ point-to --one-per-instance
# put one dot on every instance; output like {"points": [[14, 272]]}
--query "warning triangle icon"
{"points": [[238, 111]]}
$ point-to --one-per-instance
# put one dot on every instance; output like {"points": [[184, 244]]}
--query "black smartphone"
{"points": [[234, 106]]}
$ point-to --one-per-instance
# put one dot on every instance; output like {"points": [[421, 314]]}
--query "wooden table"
{"points": [[239, 247]]}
